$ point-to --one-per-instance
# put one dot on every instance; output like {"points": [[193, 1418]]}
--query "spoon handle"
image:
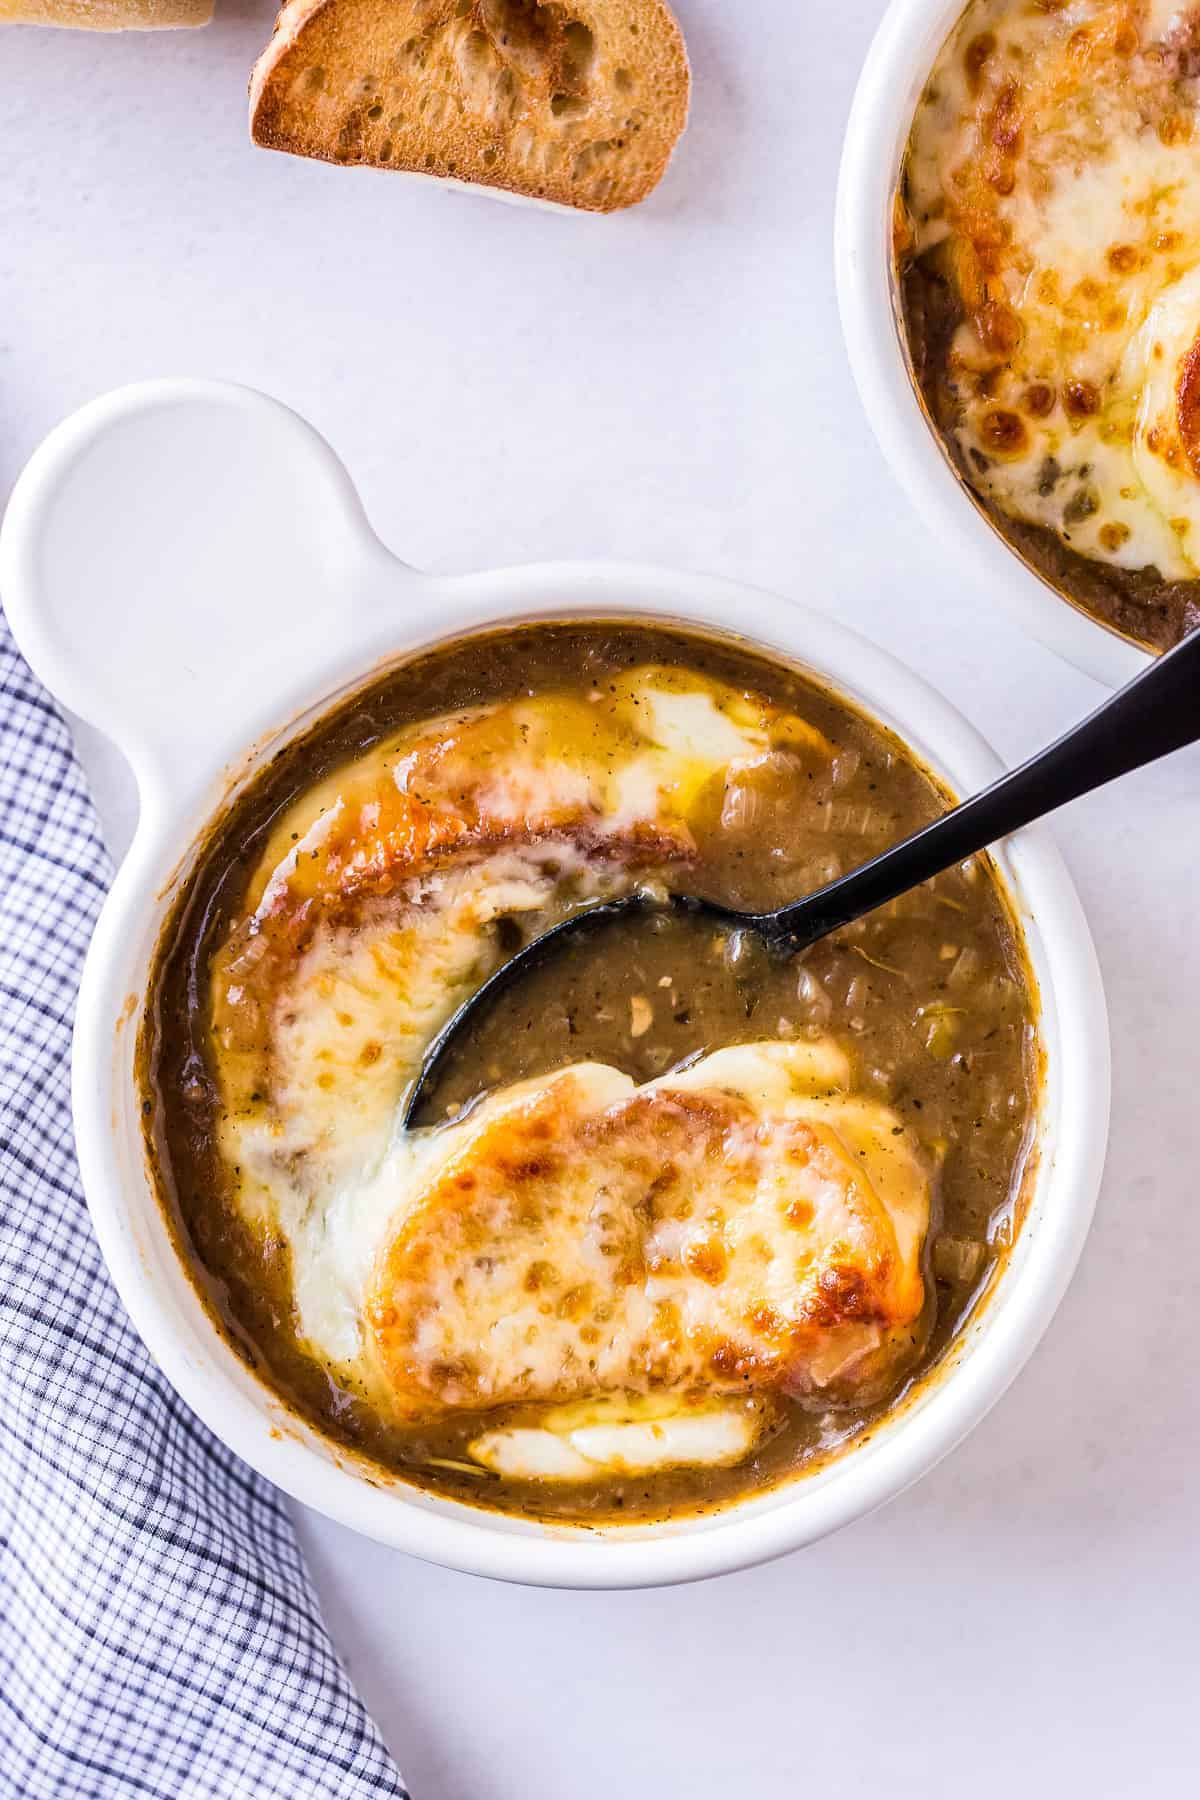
{"points": [[1155, 713]]}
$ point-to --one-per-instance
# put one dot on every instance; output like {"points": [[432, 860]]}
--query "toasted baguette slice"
{"points": [[578, 103], [107, 15]]}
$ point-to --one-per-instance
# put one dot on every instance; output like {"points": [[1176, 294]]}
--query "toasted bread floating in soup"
{"points": [[1048, 234], [744, 1227], [674, 1237]]}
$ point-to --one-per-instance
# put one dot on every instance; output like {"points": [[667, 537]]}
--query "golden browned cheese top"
{"points": [[1052, 186], [742, 1226]]}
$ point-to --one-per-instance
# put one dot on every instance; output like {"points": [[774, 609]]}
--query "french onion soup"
{"points": [[1048, 247], [693, 1215]]}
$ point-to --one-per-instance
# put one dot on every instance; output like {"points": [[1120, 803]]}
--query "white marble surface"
{"points": [[671, 385]]}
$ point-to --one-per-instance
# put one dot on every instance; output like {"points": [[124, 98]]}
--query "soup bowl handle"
{"points": [[175, 556]]}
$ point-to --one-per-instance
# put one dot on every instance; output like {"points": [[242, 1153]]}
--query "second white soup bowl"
{"points": [[894, 75]]}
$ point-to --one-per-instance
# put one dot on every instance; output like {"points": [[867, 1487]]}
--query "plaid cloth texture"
{"points": [[159, 1634]]}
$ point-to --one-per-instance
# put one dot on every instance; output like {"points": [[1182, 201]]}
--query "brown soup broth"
{"points": [[931, 996]]}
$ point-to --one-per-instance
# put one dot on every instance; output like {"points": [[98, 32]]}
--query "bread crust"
{"points": [[576, 105], [108, 15]]}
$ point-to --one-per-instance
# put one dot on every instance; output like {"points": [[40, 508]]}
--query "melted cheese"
{"points": [[1054, 166], [626, 1437], [781, 1251], [742, 1226]]}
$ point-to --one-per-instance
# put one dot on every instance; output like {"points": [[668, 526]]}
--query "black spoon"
{"points": [[1155, 713]]}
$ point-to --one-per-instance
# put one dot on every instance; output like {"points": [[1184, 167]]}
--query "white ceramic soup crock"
{"points": [[187, 566], [897, 67]]}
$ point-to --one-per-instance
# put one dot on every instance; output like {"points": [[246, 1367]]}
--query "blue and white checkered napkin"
{"points": [[159, 1634]]}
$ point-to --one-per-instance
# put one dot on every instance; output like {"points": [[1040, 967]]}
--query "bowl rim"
{"points": [[906, 1444], [897, 65]]}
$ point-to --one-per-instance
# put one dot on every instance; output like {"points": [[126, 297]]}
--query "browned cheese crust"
{"points": [[1023, 119], [626, 1247]]}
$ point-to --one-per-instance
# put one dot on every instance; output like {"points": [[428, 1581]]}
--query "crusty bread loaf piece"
{"points": [[574, 101], [107, 15]]}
